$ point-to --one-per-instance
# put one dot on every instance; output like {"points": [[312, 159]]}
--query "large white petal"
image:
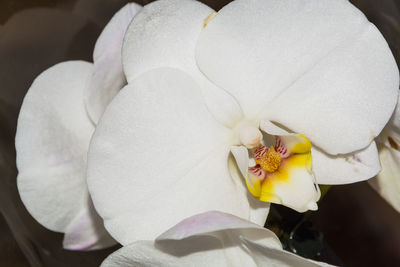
{"points": [[344, 169], [52, 140], [108, 77], [317, 67], [158, 156], [164, 34], [209, 239]]}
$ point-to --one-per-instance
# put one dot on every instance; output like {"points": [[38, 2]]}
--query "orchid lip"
{"points": [[282, 171]]}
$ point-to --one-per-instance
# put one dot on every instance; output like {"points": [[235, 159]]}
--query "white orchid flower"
{"points": [[387, 182], [53, 136], [200, 84], [210, 239]]}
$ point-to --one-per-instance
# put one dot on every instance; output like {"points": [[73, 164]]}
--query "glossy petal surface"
{"points": [[108, 77], [164, 34], [52, 140], [317, 67], [345, 169]]}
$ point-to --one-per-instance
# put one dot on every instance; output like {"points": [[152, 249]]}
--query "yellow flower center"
{"points": [[271, 161]]}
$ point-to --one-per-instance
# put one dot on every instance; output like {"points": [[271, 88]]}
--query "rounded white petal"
{"points": [[52, 140], [108, 77], [345, 169], [164, 34], [159, 156], [317, 67]]}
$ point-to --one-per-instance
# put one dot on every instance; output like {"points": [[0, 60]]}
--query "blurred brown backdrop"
{"points": [[357, 224]]}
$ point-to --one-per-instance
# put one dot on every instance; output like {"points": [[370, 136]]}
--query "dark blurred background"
{"points": [[357, 225]]}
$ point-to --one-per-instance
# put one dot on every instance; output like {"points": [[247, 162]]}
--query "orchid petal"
{"points": [[316, 67], [108, 77], [267, 256], [387, 182], [213, 222], [284, 176], [86, 232], [52, 139], [241, 155], [272, 129], [226, 228], [207, 239], [161, 146], [344, 169], [210, 239], [164, 34], [203, 252], [290, 144], [172, 24]]}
